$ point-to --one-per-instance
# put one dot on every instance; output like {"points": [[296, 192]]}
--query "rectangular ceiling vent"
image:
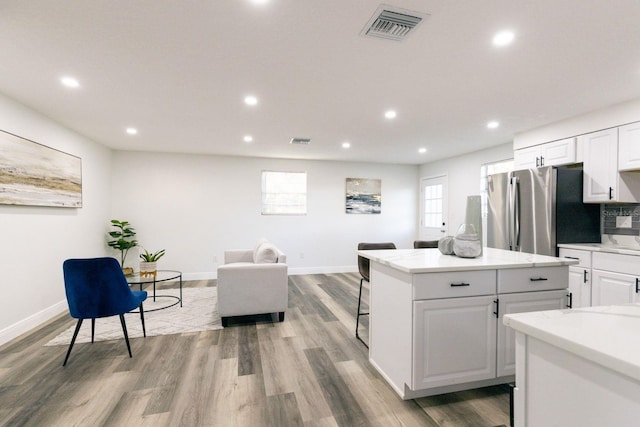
{"points": [[392, 23], [300, 141]]}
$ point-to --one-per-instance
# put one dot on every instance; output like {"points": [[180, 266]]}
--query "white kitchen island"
{"points": [[578, 367], [436, 320]]}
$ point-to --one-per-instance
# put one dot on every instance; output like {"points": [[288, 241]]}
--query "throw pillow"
{"points": [[258, 244], [267, 253]]}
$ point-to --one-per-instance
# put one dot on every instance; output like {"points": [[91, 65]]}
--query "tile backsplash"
{"points": [[611, 219], [621, 225]]}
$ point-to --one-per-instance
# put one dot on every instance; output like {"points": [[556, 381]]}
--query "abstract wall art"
{"points": [[363, 196], [36, 175]]}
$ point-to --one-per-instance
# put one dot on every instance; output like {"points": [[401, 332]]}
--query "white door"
{"points": [[613, 288], [521, 303], [600, 166], [580, 286], [454, 341], [433, 208], [629, 147]]}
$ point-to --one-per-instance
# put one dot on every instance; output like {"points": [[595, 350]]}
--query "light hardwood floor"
{"points": [[306, 371]]}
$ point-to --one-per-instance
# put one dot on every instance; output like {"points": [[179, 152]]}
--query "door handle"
{"points": [[541, 161], [637, 290], [570, 300], [539, 279], [537, 162], [585, 279], [610, 193], [460, 284], [497, 302]]}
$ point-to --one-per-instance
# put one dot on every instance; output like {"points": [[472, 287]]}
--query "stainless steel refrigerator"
{"points": [[533, 210]]}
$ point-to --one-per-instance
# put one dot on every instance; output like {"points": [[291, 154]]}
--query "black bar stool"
{"points": [[419, 244], [363, 267]]}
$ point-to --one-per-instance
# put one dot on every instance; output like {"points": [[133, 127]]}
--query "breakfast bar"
{"points": [[436, 320]]}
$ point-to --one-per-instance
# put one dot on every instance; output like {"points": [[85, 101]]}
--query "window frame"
{"points": [[272, 208]]}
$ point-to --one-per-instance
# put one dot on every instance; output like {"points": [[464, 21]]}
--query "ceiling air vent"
{"points": [[392, 23], [300, 141]]}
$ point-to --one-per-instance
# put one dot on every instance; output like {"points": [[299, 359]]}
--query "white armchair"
{"points": [[253, 282]]}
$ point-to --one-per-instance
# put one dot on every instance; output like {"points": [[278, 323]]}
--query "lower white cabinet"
{"points": [[455, 341], [580, 286], [614, 288], [520, 303]]}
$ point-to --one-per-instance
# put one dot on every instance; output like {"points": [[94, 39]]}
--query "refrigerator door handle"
{"points": [[515, 206], [510, 213]]}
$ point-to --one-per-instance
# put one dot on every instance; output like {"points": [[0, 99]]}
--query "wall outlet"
{"points": [[623, 222]]}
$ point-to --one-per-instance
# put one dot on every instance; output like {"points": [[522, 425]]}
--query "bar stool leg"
{"points": [[360, 314]]}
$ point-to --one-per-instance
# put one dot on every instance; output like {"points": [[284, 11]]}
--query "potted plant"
{"points": [[149, 263], [123, 240]]}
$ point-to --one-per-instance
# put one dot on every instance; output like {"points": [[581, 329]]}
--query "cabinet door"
{"points": [[526, 158], [580, 287], [613, 288], [600, 166], [521, 303], [558, 153], [629, 147], [454, 341]]}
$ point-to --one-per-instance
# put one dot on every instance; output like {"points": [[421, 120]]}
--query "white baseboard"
{"points": [[33, 321]]}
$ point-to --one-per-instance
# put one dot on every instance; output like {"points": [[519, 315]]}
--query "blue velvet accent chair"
{"points": [[96, 287]]}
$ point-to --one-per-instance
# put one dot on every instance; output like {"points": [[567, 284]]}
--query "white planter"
{"points": [[148, 268]]}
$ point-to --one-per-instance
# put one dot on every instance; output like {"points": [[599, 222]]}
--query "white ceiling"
{"points": [[178, 70]]}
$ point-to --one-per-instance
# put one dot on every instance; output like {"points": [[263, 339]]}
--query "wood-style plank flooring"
{"points": [[306, 371]]}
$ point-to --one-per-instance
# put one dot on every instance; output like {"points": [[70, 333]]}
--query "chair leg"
{"points": [[93, 329], [73, 340], [281, 316], [358, 314], [126, 336], [144, 329]]}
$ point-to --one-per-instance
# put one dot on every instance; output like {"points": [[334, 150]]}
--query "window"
{"points": [[490, 169], [284, 193]]}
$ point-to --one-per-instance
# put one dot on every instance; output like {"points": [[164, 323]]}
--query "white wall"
{"points": [[197, 206], [36, 240], [463, 174]]}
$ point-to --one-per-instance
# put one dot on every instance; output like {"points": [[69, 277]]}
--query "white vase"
{"points": [[148, 268]]}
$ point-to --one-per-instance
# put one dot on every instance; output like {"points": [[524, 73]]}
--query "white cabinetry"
{"points": [[465, 332], [520, 303], [629, 147], [579, 277], [562, 152], [616, 279], [602, 181]]}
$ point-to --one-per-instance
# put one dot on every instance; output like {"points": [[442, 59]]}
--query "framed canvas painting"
{"points": [[36, 175], [363, 196]]}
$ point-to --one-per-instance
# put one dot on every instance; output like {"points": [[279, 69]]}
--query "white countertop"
{"points": [[606, 335], [599, 247], [432, 260]]}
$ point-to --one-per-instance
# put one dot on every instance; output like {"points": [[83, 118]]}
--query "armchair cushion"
{"points": [[266, 253]]}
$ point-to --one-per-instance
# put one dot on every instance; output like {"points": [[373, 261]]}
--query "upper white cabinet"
{"points": [[629, 147], [562, 152], [602, 181]]}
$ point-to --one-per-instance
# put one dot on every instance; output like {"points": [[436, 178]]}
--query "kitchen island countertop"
{"points": [[415, 261]]}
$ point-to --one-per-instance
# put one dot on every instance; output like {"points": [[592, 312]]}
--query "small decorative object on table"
{"points": [[149, 263], [446, 245], [467, 243]]}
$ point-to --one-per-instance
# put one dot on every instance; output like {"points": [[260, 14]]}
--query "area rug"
{"points": [[199, 312]]}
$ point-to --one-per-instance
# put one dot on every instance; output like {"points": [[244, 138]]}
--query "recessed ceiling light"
{"points": [[422, 150], [493, 124], [390, 114], [248, 138], [132, 131], [346, 144], [70, 82], [503, 38], [250, 100]]}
